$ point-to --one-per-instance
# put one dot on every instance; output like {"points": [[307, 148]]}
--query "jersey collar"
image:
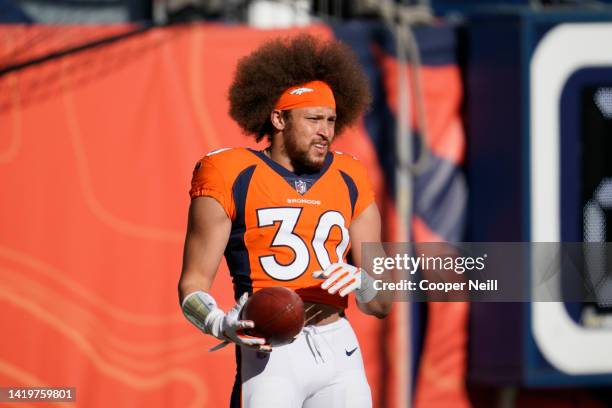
{"points": [[286, 174]]}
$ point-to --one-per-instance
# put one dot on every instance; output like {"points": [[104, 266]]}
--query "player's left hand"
{"points": [[347, 278], [341, 277]]}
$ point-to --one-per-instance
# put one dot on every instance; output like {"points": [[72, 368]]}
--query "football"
{"points": [[278, 314]]}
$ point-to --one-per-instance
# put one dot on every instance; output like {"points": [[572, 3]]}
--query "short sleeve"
{"points": [[365, 193], [208, 181]]}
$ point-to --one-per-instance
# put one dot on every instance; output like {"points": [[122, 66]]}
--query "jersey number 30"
{"points": [[286, 237]]}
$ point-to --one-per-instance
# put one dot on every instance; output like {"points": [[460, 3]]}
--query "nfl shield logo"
{"points": [[300, 186]]}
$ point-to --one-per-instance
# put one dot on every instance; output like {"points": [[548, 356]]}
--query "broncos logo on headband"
{"points": [[300, 91]]}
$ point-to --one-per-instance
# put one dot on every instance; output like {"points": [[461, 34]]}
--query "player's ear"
{"points": [[278, 119]]}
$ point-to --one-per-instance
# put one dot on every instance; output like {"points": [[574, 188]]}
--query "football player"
{"points": [[290, 215]]}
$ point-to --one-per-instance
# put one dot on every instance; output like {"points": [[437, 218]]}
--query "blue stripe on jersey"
{"points": [[352, 188], [236, 253]]}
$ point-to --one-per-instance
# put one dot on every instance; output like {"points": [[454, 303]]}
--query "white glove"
{"points": [[201, 309], [347, 278]]}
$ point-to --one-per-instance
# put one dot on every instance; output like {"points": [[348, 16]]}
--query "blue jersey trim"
{"points": [[352, 189], [290, 177], [236, 253]]}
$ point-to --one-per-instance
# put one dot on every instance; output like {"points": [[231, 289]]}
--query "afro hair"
{"points": [[265, 74]]}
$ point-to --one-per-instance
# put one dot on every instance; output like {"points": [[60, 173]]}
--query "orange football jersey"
{"points": [[284, 226]]}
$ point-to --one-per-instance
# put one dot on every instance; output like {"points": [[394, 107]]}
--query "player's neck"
{"points": [[277, 154], [280, 157]]}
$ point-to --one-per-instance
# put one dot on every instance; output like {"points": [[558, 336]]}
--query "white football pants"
{"points": [[323, 367]]}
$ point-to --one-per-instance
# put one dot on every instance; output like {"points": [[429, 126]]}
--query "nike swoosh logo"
{"points": [[350, 353]]}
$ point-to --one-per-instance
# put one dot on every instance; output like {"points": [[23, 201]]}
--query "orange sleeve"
{"points": [[208, 181], [365, 193]]}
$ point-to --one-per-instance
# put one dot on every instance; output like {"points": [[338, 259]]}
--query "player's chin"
{"points": [[316, 163]]}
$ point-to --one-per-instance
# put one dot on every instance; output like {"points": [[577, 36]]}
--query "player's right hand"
{"points": [[231, 329]]}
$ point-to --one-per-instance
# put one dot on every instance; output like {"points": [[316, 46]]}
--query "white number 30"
{"points": [[285, 236]]}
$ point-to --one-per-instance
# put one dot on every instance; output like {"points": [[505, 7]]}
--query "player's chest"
{"points": [[301, 204]]}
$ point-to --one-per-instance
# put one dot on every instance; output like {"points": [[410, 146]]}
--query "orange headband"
{"points": [[314, 93]]}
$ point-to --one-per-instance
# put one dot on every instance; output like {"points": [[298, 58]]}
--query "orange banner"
{"points": [[96, 154]]}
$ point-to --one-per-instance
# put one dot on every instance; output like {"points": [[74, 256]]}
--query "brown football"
{"points": [[278, 314]]}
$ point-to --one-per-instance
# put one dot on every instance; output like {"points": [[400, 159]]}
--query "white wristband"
{"points": [[366, 292], [201, 309]]}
